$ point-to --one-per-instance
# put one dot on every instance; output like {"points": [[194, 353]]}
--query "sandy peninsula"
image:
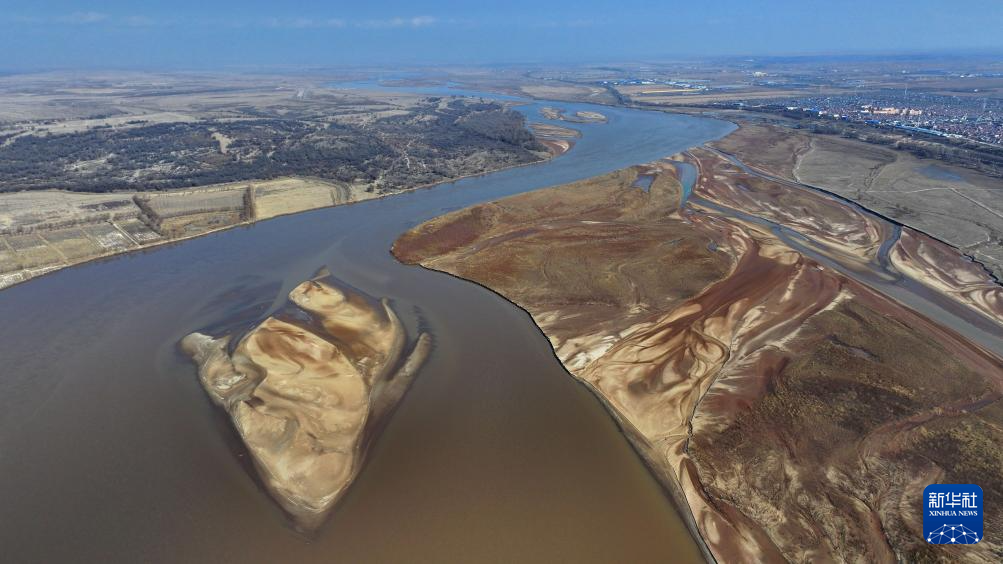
{"points": [[793, 412]]}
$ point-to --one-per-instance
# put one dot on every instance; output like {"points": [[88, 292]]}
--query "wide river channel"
{"points": [[111, 451]]}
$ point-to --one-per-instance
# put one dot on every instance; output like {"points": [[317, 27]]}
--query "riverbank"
{"points": [[769, 361], [492, 430], [129, 231], [938, 195], [596, 215], [951, 203]]}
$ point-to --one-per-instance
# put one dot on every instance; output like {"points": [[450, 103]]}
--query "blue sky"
{"points": [[249, 33]]}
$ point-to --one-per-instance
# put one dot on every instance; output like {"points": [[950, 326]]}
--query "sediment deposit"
{"points": [[950, 202], [940, 266], [578, 117], [307, 387], [558, 140], [794, 412]]}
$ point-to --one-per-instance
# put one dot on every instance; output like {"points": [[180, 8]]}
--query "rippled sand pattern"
{"points": [[794, 410], [306, 386], [941, 267]]}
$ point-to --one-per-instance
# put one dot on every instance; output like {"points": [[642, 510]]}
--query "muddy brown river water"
{"points": [[111, 452]]}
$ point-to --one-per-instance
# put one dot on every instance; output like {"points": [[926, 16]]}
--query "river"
{"points": [[111, 451]]}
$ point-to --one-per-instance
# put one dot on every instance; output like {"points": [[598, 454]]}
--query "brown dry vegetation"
{"points": [[46, 230], [646, 262], [839, 459], [842, 228], [797, 413], [775, 150], [953, 204], [290, 145]]}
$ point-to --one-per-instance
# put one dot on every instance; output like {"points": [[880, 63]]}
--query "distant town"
{"points": [[946, 96], [949, 116]]}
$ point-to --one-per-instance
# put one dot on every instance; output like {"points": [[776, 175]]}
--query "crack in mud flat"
{"points": [[307, 388], [743, 339]]}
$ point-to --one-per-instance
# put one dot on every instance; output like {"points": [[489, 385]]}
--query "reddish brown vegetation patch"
{"points": [[796, 412]]}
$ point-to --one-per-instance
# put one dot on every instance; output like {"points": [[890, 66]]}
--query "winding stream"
{"points": [[111, 451], [879, 274]]}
